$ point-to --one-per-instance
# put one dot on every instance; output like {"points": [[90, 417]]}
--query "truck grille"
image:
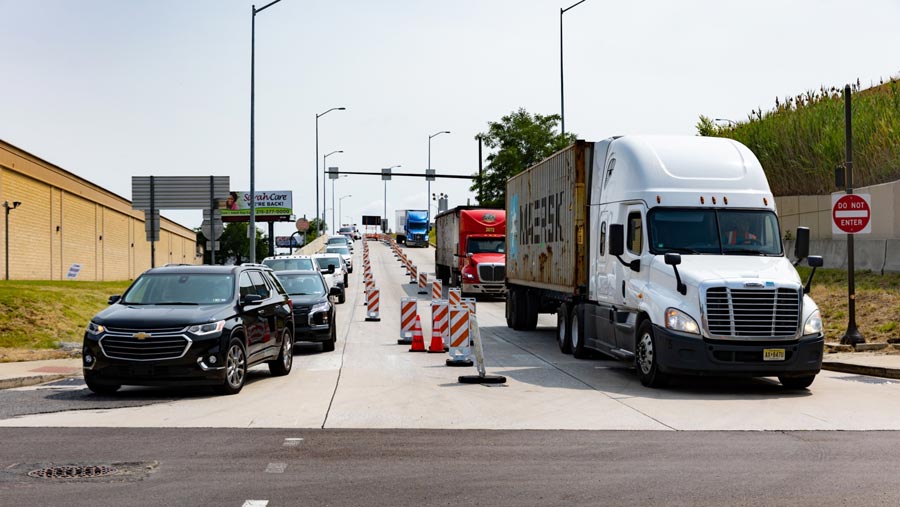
{"points": [[492, 272], [153, 348], [752, 313]]}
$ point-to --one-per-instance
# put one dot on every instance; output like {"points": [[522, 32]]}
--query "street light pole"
{"points": [[562, 101], [340, 205], [7, 207], [321, 217], [324, 168], [251, 229], [428, 193]]}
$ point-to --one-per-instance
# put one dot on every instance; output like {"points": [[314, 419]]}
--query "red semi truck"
{"points": [[470, 252]]}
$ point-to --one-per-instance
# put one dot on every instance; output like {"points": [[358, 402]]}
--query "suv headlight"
{"points": [[205, 329], [321, 307], [95, 329], [813, 324], [680, 321]]}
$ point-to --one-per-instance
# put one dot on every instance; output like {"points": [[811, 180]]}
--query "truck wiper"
{"points": [[678, 249], [182, 303], [743, 251]]}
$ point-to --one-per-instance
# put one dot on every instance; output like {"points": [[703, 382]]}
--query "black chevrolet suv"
{"points": [[182, 324]]}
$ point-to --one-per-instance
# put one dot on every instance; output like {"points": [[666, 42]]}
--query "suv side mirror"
{"points": [[334, 291], [114, 299], [250, 299], [330, 269]]}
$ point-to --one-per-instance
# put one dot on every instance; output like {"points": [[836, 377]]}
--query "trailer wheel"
{"points": [[563, 329], [645, 359], [576, 333], [515, 309]]}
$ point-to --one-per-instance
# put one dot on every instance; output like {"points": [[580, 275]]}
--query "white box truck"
{"points": [[665, 251]]}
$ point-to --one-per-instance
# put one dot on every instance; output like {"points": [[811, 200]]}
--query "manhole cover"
{"points": [[73, 472]]}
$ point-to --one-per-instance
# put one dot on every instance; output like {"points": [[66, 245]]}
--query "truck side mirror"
{"points": [[814, 261], [801, 246], [616, 239], [674, 259]]}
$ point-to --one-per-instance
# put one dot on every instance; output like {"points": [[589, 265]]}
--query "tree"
{"points": [[706, 127], [520, 140], [313, 231], [234, 246]]}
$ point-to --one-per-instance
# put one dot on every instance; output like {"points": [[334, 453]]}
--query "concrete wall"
{"points": [[65, 220], [878, 251]]}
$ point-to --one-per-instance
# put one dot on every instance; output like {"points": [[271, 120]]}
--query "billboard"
{"points": [[271, 206]]}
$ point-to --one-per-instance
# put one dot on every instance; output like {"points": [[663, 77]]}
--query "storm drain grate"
{"points": [[73, 472]]}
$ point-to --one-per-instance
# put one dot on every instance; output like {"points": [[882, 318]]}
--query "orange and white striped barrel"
{"points": [[454, 295], [437, 289], [459, 332], [412, 274], [423, 277], [408, 312], [440, 319], [372, 297]]}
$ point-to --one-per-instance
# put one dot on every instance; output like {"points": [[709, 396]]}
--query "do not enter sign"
{"points": [[851, 214]]}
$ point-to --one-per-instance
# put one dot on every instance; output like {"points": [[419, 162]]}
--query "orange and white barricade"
{"points": [[469, 303], [423, 278], [482, 377], [372, 297], [460, 351], [454, 296], [440, 320], [437, 289], [408, 314], [412, 274]]}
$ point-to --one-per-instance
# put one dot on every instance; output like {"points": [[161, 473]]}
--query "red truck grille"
{"points": [[488, 273]]}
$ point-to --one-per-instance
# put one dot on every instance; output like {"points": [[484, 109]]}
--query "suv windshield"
{"points": [[714, 231], [337, 241], [180, 289], [302, 285], [346, 230], [289, 264], [324, 262], [485, 245]]}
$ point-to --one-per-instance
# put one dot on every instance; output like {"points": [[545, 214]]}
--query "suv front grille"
{"points": [[157, 347], [492, 272], [753, 313]]}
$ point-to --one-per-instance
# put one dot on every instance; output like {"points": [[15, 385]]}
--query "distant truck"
{"points": [[470, 249], [665, 251], [412, 227]]}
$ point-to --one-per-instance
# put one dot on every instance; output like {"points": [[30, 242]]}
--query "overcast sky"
{"points": [[110, 89]]}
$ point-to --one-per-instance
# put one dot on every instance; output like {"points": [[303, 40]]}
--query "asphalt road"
{"points": [[228, 467]]}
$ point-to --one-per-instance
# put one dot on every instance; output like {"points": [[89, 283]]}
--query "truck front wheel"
{"points": [[563, 332], [576, 333], [645, 357]]}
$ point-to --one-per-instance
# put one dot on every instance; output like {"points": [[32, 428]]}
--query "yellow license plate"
{"points": [[773, 354]]}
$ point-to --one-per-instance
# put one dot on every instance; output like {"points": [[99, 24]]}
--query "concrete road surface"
{"points": [[371, 382]]}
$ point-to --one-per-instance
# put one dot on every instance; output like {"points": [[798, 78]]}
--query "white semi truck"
{"points": [[665, 251]]}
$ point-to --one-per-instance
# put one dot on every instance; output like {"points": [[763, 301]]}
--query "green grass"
{"points": [[801, 140], [40, 314]]}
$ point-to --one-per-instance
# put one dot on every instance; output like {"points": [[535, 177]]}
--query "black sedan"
{"points": [[314, 312]]}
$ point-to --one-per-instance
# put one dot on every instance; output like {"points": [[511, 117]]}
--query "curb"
{"points": [[874, 371], [31, 380]]}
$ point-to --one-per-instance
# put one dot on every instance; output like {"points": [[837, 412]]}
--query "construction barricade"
{"points": [[423, 280], [408, 315], [440, 317], [454, 295], [372, 303], [460, 351], [482, 377]]}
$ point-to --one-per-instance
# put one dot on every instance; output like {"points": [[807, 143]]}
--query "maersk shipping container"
{"points": [[545, 227]]}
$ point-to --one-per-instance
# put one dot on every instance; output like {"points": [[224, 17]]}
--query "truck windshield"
{"points": [[714, 231], [485, 245]]}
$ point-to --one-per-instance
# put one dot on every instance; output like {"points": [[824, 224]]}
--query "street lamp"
{"points": [[324, 200], [384, 218], [321, 228], [7, 207], [562, 101], [341, 198], [252, 228], [732, 122], [333, 221], [427, 206]]}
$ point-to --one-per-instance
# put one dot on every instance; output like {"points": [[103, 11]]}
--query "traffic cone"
{"points": [[418, 343], [437, 342]]}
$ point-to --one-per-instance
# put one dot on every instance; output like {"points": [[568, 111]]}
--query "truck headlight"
{"points": [[677, 320], [813, 324], [205, 329]]}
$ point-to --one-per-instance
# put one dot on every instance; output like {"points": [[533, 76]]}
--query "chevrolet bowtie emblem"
{"points": [[141, 336]]}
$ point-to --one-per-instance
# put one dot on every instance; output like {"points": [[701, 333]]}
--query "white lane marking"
{"points": [[255, 503], [292, 442], [276, 468]]}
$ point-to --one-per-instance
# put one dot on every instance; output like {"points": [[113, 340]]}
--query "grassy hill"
{"points": [[801, 140]]}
